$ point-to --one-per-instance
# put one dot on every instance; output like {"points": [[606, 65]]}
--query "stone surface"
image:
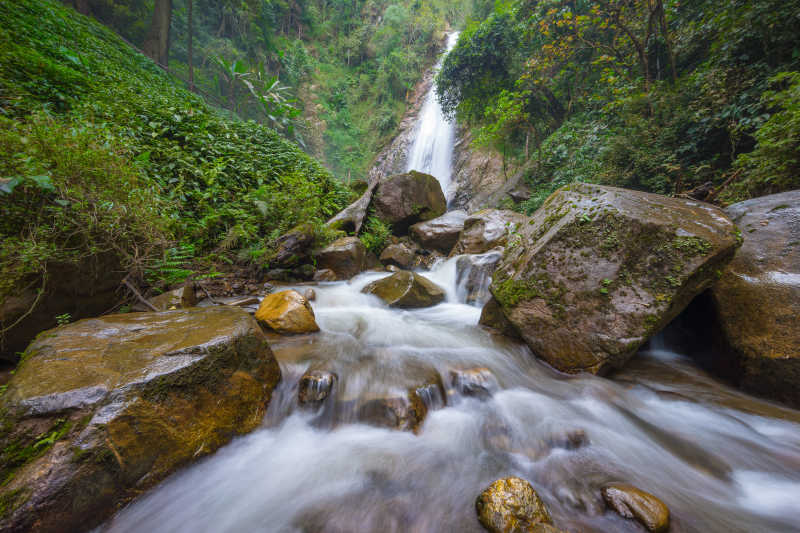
{"points": [[125, 400], [294, 246], [405, 199], [441, 233], [399, 255], [631, 502], [287, 312], [510, 505], [181, 298], [478, 382], [406, 289], [473, 274], [598, 270], [325, 274], [487, 229], [346, 257], [757, 299], [315, 387], [495, 321]]}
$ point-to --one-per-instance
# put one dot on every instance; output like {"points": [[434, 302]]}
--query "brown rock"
{"points": [[495, 321], [315, 387], [346, 257], [294, 246], [487, 229], [181, 298], [287, 312], [326, 274], [310, 294], [397, 254], [476, 382], [631, 502], [510, 505], [125, 400], [598, 270], [393, 268], [473, 273], [407, 290], [405, 199], [440, 233], [757, 299]]}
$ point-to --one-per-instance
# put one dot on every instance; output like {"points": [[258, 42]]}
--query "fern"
{"points": [[172, 268]]}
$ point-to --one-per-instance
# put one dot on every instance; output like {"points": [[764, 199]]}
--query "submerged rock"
{"points": [[598, 270], [487, 229], [406, 289], [399, 255], [315, 387], [757, 299], [287, 312], [405, 199], [473, 273], [346, 257], [510, 505], [440, 233], [476, 382], [125, 400], [630, 502]]}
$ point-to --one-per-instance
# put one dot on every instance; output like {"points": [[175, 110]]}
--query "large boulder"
{"points": [[757, 299], [598, 270], [407, 290], [398, 255], [487, 229], [346, 257], [287, 312], [510, 505], [630, 502], [104, 408], [440, 233], [294, 246], [405, 199]]}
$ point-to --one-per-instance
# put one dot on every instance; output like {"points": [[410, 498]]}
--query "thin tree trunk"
{"points": [[189, 47], [156, 45]]}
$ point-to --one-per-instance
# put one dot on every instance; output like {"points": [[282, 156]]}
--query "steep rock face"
{"points": [[757, 299], [441, 233], [346, 257], [598, 270], [405, 199], [487, 229], [124, 400]]}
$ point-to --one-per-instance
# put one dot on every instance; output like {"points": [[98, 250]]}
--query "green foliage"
{"points": [[171, 267], [63, 319], [375, 234]]}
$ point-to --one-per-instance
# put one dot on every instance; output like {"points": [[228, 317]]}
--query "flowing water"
{"points": [[434, 136], [722, 461]]}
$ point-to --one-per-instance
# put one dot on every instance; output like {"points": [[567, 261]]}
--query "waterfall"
{"points": [[432, 150]]}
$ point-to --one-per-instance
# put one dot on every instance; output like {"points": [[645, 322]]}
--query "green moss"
{"points": [[21, 449], [11, 500]]}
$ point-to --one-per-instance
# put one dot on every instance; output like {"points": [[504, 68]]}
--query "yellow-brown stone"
{"points": [[287, 312]]}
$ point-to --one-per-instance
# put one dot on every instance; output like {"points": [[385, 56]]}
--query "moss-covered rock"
{"points": [[487, 229], [757, 299], [405, 199], [346, 257], [287, 312], [598, 270], [406, 289], [104, 408]]}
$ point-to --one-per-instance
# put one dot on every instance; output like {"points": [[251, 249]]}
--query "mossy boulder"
{"points": [[630, 502], [104, 408], [511, 505], [407, 290], [405, 199], [441, 233], [487, 229], [346, 257], [598, 270], [287, 312], [757, 299], [294, 246]]}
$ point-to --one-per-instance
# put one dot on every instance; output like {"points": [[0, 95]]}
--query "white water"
{"points": [[434, 136], [722, 461]]}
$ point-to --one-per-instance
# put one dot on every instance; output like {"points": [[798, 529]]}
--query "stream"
{"points": [[721, 460]]}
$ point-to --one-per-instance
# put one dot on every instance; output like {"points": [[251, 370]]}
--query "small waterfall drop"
{"points": [[432, 150]]}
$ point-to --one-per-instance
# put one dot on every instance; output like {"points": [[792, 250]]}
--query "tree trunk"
{"points": [[189, 44], [156, 45]]}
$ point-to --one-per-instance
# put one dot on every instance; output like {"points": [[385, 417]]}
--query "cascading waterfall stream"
{"points": [[721, 460], [432, 150]]}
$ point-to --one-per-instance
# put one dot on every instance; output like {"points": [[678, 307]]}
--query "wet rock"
{"points": [[631, 502], [398, 254], [477, 382], [757, 299], [325, 274], [287, 312], [404, 413], [181, 298], [494, 320], [315, 387], [346, 257], [126, 400], [510, 505], [304, 272], [440, 233], [405, 199], [310, 294], [281, 274], [407, 290], [393, 268], [294, 246], [487, 229], [473, 273], [598, 270]]}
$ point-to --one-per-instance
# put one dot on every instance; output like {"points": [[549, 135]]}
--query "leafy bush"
{"points": [[375, 234]]}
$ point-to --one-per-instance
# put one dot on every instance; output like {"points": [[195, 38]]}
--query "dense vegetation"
{"points": [[655, 95], [102, 153]]}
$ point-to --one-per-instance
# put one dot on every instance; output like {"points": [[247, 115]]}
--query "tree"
{"points": [[156, 45]]}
